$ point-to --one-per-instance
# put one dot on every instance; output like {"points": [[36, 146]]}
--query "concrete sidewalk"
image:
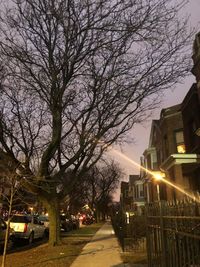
{"points": [[102, 251]]}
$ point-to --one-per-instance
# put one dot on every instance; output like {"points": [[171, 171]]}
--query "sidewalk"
{"points": [[102, 251]]}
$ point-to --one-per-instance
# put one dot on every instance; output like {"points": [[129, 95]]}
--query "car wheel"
{"points": [[31, 238]]}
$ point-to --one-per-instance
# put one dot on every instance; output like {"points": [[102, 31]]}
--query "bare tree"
{"points": [[101, 183], [76, 75], [96, 187]]}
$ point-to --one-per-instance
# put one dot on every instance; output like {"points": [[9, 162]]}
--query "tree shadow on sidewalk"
{"points": [[101, 238]]}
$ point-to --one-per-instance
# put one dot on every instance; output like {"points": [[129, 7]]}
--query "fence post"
{"points": [[162, 235], [148, 237]]}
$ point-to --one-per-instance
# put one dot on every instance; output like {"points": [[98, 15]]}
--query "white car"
{"points": [[27, 227], [44, 219]]}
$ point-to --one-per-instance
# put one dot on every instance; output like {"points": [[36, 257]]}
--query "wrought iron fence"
{"points": [[131, 234], [173, 234]]}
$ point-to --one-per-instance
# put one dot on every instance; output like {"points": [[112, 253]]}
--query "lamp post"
{"points": [[158, 191], [158, 177]]}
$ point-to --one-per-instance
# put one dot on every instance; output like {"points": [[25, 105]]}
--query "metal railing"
{"points": [[173, 234], [131, 234]]}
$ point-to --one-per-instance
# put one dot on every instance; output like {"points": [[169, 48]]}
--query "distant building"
{"points": [[136, 193], [132, 197], [125, 200]]}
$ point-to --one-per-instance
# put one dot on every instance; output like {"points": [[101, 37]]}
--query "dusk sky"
{"points": [[141, 132]]}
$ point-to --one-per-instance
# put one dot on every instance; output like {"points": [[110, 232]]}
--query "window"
{"points": [[154, 160], [149, 161], [180, 146], [139, 192], [21, 219]]}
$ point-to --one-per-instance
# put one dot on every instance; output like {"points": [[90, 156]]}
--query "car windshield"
{"points": [[21, 219]]}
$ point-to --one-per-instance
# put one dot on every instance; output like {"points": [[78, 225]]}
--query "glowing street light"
{"points": [[158, 176], [31, 209]]}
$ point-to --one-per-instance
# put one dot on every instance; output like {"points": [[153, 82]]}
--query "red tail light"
{"points": [[25, 227]]}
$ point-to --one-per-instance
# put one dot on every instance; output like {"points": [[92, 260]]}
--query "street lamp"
{"points": [[158, 191], [31, 209], [158, 177]]}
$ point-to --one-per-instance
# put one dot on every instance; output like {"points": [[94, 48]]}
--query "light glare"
{"points": [[156, 175]]}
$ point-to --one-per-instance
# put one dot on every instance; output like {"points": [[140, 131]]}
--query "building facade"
{"points": [[166, 139], [174, 146]]}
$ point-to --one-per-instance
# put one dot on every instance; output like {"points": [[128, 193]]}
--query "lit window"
{"points": [[180, 146]]}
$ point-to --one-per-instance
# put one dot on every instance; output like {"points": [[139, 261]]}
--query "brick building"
{"points": [[174, 146], [166, 139], [188, 166]]}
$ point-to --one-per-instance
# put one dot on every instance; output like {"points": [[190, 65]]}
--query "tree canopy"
{"points": [[76, 75]]}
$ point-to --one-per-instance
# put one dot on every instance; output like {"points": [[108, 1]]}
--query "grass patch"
{"points": [[59, 256], [85, 230]]}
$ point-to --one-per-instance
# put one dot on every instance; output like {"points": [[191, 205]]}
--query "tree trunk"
{"points": [[97, 215], [103, 216], [54, 219], [6, 244], [3, 264]]}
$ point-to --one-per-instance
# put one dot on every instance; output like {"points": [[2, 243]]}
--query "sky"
{"points": [[141, 133]]}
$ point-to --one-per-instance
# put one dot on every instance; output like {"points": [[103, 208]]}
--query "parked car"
{"points": [[88, 219], [44, 220], [66, 223], [3, 227], [27, 227]]}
